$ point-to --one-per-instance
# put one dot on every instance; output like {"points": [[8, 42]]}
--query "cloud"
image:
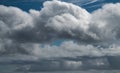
{"points": [[64, 64], [25, 32], [106, 21], [14, 17], [56, 20], [72, 49], [62, 20]]}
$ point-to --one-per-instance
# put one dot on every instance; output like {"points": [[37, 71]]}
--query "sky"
{"points": [[25, 5], [43, 35]]}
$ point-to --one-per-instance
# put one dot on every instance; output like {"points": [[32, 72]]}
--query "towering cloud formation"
{"points": [[25, 33]]}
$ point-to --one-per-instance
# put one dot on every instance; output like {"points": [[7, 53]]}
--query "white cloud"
{"points": [[20, 31], [106, 22], [14, 17]]}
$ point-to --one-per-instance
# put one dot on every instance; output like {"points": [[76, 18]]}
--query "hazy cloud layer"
{"points": [[25, 33]]}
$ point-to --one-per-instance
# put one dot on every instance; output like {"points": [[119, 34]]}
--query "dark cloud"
{"points": [[78, 63]]}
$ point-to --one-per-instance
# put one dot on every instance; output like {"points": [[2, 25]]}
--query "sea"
{"points": [[88, 71], [91, 71]]}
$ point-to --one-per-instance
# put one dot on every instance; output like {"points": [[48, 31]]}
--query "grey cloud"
{"points": [[72, 49], [78, 63]]}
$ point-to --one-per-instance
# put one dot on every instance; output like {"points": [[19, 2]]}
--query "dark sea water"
{"points": [[108, 71], [88, 71], [92, 71], [12, 68]]}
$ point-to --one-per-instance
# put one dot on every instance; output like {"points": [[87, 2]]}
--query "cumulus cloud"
{"points": [[60, 20], [14, 17], [106, 22], [24, 32]]}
